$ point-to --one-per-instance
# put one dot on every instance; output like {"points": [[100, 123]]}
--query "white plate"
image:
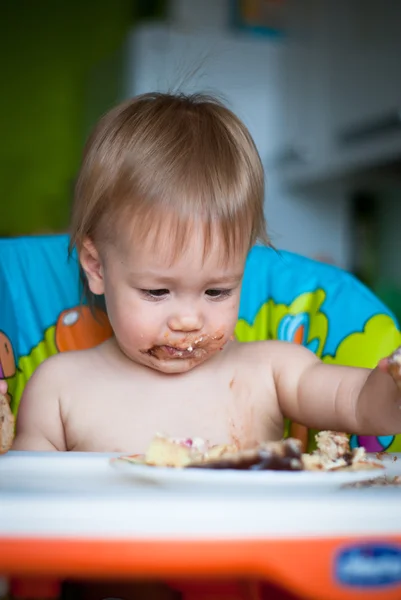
{"points": [[165, 476]]}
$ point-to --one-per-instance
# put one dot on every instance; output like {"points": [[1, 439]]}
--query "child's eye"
{"points": [[218, 294], [155, 294]]}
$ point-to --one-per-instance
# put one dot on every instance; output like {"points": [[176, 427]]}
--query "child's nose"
{"points": [[185, 323]]}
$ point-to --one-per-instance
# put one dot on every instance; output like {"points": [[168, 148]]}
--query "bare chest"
{"points": [[123, 416]]}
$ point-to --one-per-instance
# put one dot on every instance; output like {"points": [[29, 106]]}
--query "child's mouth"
{"points": [[194, 349], [166, 351]]}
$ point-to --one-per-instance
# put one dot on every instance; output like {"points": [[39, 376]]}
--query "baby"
{"points": [[168, 202]]}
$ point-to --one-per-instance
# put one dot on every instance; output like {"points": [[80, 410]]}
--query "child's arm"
{"points": [[39, 423], [354, 400]]}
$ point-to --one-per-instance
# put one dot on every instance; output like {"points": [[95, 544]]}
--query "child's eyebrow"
{"points": [[226, 278], [165, 279]]}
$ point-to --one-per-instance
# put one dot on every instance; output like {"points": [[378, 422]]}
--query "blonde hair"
{"points": [[183, 156]]}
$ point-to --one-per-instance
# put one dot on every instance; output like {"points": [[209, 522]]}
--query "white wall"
{"points": [[245, 72], [200, 14], [315, 223], [389, 250]]}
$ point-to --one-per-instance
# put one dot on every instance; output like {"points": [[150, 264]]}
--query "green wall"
{"points": [[53, 54]]}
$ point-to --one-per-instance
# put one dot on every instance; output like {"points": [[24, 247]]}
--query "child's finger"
{"points": [[383, 364], [3, 387], [393, 367]]}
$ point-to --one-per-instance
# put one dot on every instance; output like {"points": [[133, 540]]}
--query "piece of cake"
{"points": [[334, 454], [166, 451], [219, 450], [7, 424], [285, 455]]}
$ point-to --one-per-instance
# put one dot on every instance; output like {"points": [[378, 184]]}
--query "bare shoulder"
{"points": [[275, 358], [276, 352], [40, 414], [50, 370], [254, 359], [53, 374]]}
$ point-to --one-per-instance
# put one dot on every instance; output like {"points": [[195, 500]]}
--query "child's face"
{"points": [[170, 315]]}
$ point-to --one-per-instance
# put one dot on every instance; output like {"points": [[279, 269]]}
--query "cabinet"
{"points": [[363, 61], [354, 87], [323, 101], [303, 130]]}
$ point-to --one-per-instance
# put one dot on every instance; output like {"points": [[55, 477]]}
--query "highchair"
{"points": [[284, 296]]}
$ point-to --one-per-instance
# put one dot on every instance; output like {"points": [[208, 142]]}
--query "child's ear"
{"points": [[91, 264]]}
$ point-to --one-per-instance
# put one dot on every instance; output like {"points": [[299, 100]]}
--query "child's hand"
{"points": [[3, 387], [392, 366]]}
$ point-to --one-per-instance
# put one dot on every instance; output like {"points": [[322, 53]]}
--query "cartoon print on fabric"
{"points": [[378, 338], [301, 322], [7, 360], [373, 444], [295, 328], [80, 328], [77, 328], [357, 349]]}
